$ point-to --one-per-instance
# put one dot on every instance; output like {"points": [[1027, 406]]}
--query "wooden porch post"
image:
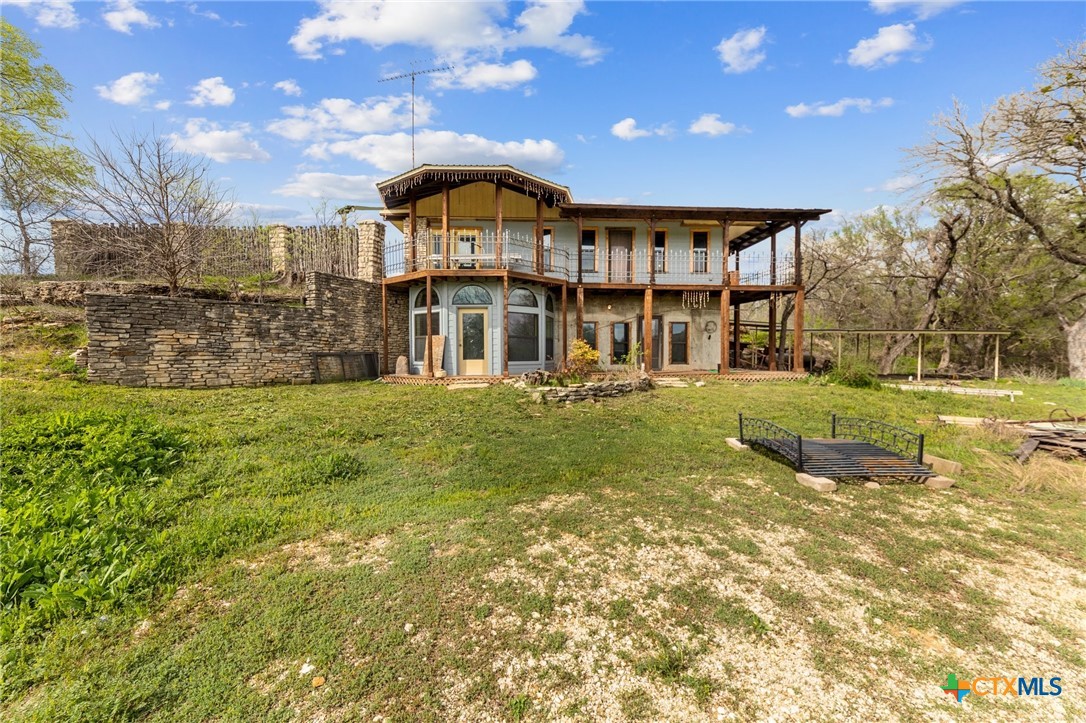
{"points": [[735, 332], [384, 328], [579, 316], [797, 335], [580, 256], [646, 351], [539, 236], [565, 327], [498, 258], [726, 229], [412, 225], [799, 256], [505, 324], [772, 332], [652, 250], [773, 259], [725, 329], [429, 328], [445, 226]]}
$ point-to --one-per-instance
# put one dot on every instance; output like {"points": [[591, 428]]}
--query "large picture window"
{"points": [[620, 341], [523, 326], [418, 324], [680, 342]]}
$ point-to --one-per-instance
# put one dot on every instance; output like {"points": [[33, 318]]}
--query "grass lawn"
{"points": [[436, 555]]}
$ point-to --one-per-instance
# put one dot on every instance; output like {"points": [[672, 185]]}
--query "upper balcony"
{"points": [[466, 252]]}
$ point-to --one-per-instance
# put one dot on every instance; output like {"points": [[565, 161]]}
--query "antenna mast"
{"points": [[412, 75]]}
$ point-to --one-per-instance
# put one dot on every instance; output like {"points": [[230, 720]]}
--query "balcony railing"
{"points": [[516, 252], [465, 252]]}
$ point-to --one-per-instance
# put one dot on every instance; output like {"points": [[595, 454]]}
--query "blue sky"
{"points": [[736, 104]]}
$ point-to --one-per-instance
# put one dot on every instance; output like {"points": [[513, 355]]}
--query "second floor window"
{"points": [[699, 245], [659, 250], [588, 249]]}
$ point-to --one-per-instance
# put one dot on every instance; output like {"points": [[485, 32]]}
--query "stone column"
{"points": [[278, 234], [63, 234], [371, 251]]}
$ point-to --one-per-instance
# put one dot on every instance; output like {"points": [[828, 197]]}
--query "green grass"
{"points": [[314, 523]]}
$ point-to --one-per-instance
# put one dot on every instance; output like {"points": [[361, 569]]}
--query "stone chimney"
{"points": [[371, 251]]}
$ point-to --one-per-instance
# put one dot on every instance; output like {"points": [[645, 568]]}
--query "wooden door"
{"points": [[473, 356], [620, 255]]}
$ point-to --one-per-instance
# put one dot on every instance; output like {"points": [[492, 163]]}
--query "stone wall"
{"points": [[175, 342]]}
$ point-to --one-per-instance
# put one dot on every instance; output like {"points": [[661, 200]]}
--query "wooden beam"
{"points": [[384, 329], [539, 236], [579, 320], [773, 332], [646, 347], [505, 325], [727, 248], [499, 262], [797, 335], [735, 341], [445, 225], [565, 327], [725, 328], [429, 328]]}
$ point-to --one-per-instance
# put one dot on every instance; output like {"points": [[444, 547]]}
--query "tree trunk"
{"points": [[1075, 333], [782, 335], [893, 349], [944, 358]]}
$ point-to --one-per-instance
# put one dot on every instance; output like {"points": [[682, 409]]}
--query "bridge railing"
{"points": [[895, 439]]}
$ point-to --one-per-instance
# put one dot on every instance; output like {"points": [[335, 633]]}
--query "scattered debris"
{"points": [[970, 391], [318, 681], [1064, 436]]}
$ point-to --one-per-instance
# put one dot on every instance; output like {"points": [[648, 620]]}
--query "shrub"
{"points": [[77, 525], [582, 359], [855, 375]]}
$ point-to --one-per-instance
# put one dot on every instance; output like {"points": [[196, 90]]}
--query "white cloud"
{"points": [[163, 105], [742, 52], [49, 13], [125, 14], [207, 138], [211, 91], [449, 28], [898, 184], [289, 87], [484, 76], [821, 108], [709, 124], [129, 89], [887, 46], [330, 185], [627, 130], [337, 117], [923, 9], [393, 152]]}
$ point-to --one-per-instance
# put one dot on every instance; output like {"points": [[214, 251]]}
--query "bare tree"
{"points": [[1026, 158], [163, 204]]}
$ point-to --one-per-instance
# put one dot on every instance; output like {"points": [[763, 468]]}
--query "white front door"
{"points": [[473, 349]]}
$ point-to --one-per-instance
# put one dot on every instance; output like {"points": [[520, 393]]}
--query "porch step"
{"points": [[672, 382], [466, 385]]}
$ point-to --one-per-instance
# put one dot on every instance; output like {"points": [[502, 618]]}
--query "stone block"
{"points": [[402, 368], [736, 444], [818, 484], [939, 483], [942, 466]]}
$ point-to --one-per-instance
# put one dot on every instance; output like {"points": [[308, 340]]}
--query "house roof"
{"points": [[429, 179]]}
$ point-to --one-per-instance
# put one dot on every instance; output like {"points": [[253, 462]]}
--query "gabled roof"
{"points": [[428, 179]]}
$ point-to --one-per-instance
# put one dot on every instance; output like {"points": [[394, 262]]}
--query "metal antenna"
{"points": [[412, 74]]}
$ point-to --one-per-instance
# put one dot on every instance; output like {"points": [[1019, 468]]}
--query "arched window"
{"points": [[418, 324], [522, 297], [523, 326], [472, 296]]}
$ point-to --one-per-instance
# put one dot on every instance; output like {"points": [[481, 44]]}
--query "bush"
{"points": [[78, 528], [582, 359], [855, 375]]}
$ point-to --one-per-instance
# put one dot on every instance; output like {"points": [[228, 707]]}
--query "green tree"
{"points": [[39, 170]]}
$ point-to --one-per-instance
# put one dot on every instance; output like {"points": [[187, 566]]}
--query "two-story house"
{"points": [[509, 269]]}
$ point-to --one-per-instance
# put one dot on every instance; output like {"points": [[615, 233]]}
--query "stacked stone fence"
{"points": [[156, 341]]}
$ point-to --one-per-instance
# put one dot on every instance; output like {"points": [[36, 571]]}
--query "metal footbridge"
{"points": [[856, 448]]}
